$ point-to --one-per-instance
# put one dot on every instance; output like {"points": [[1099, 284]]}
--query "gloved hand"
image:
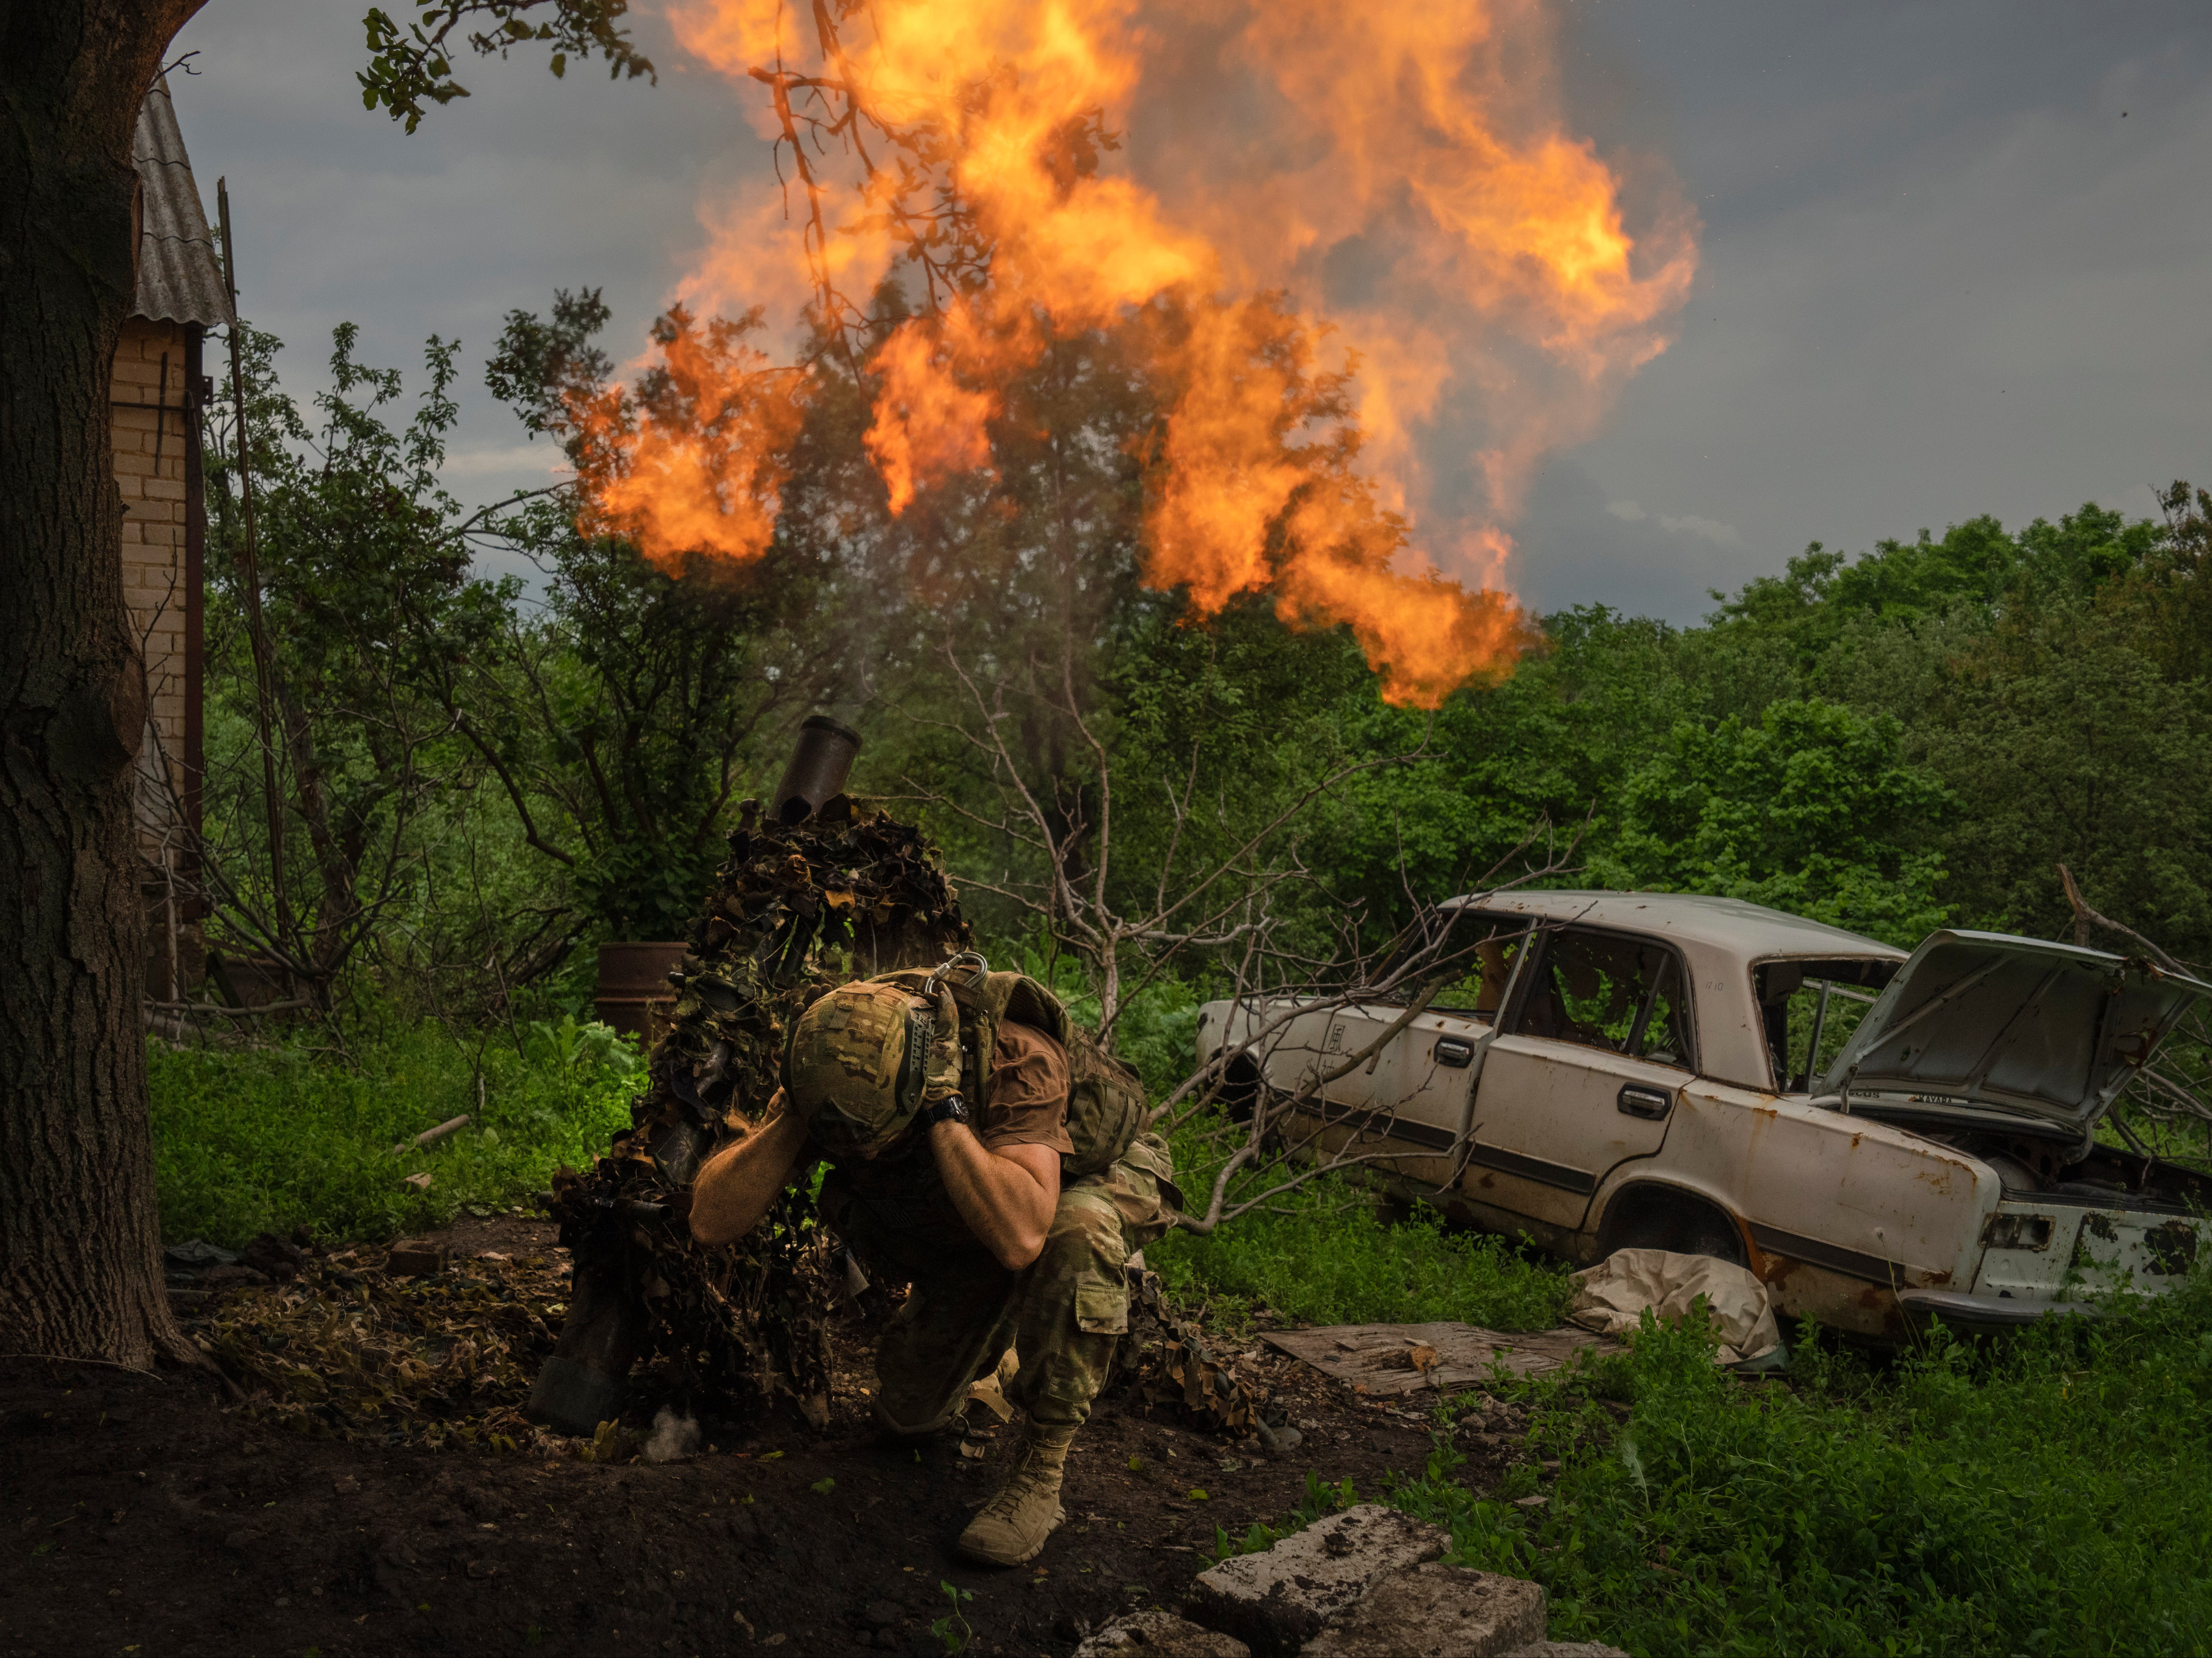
{"points": [[941, 1080]]}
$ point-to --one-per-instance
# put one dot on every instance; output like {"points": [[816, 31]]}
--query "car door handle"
{"points": [[1452, 1052], [1651, 1104]]}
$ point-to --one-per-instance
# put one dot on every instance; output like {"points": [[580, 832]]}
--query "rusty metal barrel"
{"points": [[819, 765], [634, 983]]}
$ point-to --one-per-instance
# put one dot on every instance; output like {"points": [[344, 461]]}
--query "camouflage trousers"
{"points": [[1061, 1313]]}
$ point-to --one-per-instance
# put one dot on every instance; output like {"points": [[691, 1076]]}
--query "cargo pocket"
{"points": [[1150, 1153], [1102, 1305], [1148, 1174]]}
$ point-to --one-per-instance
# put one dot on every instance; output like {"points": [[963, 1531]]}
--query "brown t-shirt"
{"points": [[1028, 1102]]}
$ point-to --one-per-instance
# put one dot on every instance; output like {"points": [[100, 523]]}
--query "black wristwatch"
{"points": [[950, 1109]]}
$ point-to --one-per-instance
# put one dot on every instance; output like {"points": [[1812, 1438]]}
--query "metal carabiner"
{"points": [[973, 959]]}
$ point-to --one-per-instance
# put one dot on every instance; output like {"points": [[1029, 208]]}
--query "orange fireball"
{"points": [[968, 149]]}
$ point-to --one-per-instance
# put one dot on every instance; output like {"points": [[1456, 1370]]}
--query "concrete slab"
{"points": [[1436, 1612], [1277, 1601], [1441, 1358]]}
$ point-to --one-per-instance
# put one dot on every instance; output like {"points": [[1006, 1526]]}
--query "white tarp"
{"points": [[1611, 1298]]}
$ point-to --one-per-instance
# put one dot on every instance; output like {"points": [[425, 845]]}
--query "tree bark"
{"points": [[80, 1272]]}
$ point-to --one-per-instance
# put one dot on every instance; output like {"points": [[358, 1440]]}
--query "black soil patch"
{"points": [[156, 1516]]}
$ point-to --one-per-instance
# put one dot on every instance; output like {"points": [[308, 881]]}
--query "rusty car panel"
{"points": [[1869, 1206]]}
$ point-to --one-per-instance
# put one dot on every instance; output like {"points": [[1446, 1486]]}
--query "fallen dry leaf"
{"points": [[346, 1352]]}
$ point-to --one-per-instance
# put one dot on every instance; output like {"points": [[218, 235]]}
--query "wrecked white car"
{"points": [[1875, 1135]]}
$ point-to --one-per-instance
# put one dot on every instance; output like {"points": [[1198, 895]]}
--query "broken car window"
{"points": [[1810, 1009], [1665, 1034], [1604, 990], [1476, 983], [1473, 964]]}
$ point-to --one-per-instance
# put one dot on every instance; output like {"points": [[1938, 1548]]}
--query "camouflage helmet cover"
{"points": [[855, 1066]]}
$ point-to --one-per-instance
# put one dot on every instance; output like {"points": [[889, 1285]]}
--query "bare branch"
{"points": [[2085, 918]]}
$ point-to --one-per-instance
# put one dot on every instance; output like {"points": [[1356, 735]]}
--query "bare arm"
{"points": [[740, 1182], [1006, 1196]]}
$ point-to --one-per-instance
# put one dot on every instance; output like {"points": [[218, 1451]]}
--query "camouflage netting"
{"points": [[794, 911], [1165, 1364]]}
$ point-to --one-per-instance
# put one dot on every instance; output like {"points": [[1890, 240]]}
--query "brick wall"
{"points": [[151, 454]]}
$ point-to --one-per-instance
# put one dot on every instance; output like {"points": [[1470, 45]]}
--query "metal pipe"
{"points": [[1819, 1024]]}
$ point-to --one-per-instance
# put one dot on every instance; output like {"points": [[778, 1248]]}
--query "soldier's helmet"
{"points": [[856, 1064]]}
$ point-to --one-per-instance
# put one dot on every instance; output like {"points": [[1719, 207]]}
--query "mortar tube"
{"points": [[820, 762]]}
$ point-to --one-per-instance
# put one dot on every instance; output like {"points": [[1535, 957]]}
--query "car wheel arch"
{"points": [[1241, 1082], [1648, 1213]]}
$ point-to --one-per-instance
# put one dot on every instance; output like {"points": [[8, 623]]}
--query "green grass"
{"points": [[1325, 1255], [263, 1139], [2050, 1496]]}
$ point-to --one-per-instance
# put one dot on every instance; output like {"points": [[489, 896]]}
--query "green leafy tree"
{"points": [[1811, 809], [363, 587], [1821, 594], [2084, 550], [78, 1235], [1552, 744], [1820, 591], [2067, 744], [411, 64], [2169, 588]]}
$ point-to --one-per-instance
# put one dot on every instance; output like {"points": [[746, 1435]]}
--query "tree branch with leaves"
{"points": [[411, 63]]}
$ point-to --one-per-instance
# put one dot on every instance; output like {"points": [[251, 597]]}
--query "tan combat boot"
{"points": [[1012, 1526]]}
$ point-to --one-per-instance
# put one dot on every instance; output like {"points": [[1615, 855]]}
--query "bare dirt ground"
{"points": [[159, 1516]]}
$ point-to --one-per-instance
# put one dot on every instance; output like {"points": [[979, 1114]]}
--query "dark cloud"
{"points": [[1943, 274], [1584, 546], [528, 184]]}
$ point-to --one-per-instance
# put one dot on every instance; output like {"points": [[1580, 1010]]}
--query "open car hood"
{"points": [[1991, 1023]]}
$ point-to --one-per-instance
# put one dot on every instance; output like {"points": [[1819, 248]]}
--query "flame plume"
{"points": [[1413, 155], [696, 460]]}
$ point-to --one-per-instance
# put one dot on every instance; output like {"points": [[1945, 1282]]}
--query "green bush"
{"points": [[264, 1139]]}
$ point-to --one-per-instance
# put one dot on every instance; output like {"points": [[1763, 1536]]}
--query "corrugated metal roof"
{"points": [[179, 277]]}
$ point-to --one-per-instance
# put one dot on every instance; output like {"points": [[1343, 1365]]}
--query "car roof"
{"points": [[1745, 930]]}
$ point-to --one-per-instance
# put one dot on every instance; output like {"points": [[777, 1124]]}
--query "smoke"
{"points": [[674, 1437]]}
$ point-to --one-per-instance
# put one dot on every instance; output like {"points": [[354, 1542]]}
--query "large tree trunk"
{"points": [[80, 1271]]}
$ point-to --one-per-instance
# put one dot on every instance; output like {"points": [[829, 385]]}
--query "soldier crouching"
{"points": [[969, 1204]]}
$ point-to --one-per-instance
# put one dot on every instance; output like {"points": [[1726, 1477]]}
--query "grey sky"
{"points": [[1957, 259]]}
